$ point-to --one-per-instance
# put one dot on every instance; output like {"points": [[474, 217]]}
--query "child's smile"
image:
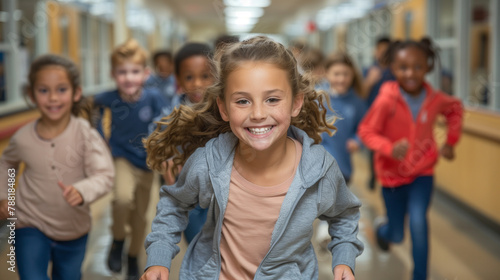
{"points": [[260, 131], [259, 113]]}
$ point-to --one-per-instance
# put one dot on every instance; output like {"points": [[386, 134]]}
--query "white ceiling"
{"points": [[210, 12]]}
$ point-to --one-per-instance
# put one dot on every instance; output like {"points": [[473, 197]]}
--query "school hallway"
{"points": [[462, 248]]}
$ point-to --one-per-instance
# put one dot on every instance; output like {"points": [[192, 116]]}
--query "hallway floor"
{"points": [[462, 248]]}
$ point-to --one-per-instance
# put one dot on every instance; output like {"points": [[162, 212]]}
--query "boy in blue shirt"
{"points": [[132, 111]]}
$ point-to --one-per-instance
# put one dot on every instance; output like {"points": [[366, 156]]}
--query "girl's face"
{"points": [[259, 105], [53, 94], [129, 77], [410, 67], [195, 77], [340, 76]]}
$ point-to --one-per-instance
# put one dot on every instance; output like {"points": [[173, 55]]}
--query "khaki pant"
{"points": [[131, 195]]}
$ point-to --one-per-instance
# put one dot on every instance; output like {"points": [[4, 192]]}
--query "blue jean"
{"points": [[197, 218], [412, 199], [34, 251]]}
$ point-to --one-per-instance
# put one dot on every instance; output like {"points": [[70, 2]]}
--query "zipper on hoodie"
{"points": [[423, 110], [219, 231], [302, 191]]}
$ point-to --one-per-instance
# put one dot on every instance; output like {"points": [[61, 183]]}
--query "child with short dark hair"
{"points": [[132, 111], [374, 76], [193, 72], [399, 128], [67, 167], [194, 75], [163, 79]]}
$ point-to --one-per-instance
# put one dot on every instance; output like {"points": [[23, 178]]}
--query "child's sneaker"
{"points": [[115, 256], [382, 244]]}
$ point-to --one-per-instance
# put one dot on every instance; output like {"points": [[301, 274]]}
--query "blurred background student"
{"points": [[374, 76], [163, 79], [194, 75], [133, 109]]}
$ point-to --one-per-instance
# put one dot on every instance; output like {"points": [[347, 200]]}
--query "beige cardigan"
{"points": [[78, 157]]}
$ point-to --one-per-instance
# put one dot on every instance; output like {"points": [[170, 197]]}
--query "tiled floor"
{"points": [[461, 247]]}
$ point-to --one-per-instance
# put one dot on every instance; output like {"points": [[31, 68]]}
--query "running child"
{"points": [[194, 76], [67, 167], [251, 157], [163, 79], [345, 93], [133, 109], [399, 128]]}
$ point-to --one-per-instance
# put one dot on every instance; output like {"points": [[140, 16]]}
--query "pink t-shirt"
{"points": [[251, 213]]}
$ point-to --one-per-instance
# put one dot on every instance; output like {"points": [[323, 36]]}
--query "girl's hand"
{"points": [[342, 272], [71, 194], [352, 145], [400, 149], [156, 272], [448, 152], [168, 175], [4, 209]]}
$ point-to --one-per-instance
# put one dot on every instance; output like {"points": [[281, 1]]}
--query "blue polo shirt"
{"points": [[130, 122]]}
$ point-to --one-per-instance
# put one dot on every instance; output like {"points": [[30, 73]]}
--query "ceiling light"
{"points": [[242, 21], [243, 12], [248, 3]]}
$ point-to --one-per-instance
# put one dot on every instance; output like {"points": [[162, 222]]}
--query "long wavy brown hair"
{"points": [[179, 134]]}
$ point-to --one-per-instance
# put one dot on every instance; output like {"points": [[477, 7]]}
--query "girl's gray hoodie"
{"points": [[317, 191]]}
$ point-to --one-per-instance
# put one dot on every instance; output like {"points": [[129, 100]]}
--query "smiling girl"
{"points": [[399, 129], [67, 167], [345, 95], [251, 157]]}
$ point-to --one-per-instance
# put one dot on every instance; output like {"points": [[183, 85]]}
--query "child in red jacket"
{"points": [[399, 128]]}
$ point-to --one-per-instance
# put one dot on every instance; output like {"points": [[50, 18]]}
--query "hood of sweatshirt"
{"points": [[313, 165]]}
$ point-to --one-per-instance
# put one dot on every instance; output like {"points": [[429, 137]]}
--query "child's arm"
{"points": [[453, 112], [99, 169], [342, 217], [371, 127], [373, 75], [9, 163], [172, 210]]}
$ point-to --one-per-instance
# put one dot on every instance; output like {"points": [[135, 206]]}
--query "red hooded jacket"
{"points": [[389, 119]]}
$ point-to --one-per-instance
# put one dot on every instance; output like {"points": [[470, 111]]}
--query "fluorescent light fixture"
{"points": [[243, 12], [247, 3], [241, 21]]}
